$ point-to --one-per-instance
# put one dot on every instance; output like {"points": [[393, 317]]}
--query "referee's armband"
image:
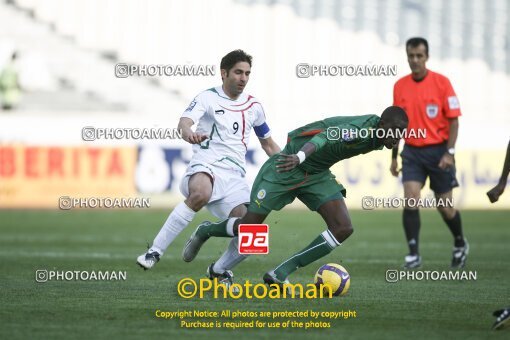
{"points": [[262, 131]]}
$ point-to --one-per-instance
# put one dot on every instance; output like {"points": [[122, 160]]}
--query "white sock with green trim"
{"points": [[230, 257], [178, 219]]}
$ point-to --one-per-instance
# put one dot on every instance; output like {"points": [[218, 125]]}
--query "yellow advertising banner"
{"points": [[369, 176], [36, 176]]}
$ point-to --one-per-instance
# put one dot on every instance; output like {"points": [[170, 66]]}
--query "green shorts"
{"points": [[272, 190]]}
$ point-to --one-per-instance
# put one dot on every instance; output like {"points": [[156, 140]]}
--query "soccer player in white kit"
{"points": [[215, 176]]}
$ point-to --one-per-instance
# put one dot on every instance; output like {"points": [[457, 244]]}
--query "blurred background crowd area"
{"points": [[57, 62]]}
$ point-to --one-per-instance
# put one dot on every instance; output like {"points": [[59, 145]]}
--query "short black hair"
{"points": [[417, 41], [228, 61], [395, 114]]}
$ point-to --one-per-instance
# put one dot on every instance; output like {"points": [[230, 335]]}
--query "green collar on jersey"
{"points": [[213, 89]]}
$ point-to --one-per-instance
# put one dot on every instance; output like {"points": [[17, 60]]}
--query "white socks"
{"points": [[230, 257], [230, 225], [330, 239], [178, 219]]}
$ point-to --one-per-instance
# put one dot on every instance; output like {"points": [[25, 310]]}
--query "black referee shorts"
{"points": [[418, 163]]}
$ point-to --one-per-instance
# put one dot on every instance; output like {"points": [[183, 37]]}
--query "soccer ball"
{"points": [[333, 276]]}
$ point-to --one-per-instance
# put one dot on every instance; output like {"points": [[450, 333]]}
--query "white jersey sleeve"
{"points": [[196, 109]]}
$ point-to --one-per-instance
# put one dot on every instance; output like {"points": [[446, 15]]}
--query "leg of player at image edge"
{"points": [[502, 319]]}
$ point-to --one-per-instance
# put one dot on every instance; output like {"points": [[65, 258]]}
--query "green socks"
{"points": [[320, 247], [219, 229]]}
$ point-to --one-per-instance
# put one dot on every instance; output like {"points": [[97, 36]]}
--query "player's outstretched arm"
{"points": [[289, 162], [189, 135], [497, 191], [269, 146], [394, 163]]}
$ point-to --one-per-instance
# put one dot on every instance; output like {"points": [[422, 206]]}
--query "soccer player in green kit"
{"points": [[302, 170]]}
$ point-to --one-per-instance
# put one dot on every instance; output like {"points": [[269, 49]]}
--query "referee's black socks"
{"points": [[411, 220], [455, 226]]}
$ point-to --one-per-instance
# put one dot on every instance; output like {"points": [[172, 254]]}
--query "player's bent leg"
{"points": [[200, 187], [335, 214], [412, 223], [502, 319], [337, 218], [251, 218], [231, 257], [220, 269], [226, 228], [195, 242], [238, 211], [225, 278], [176, 222], [270, 279], [200, 191], [451, 217]]}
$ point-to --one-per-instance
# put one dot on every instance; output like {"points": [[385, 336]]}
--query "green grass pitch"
{"points": [[111, 240]]}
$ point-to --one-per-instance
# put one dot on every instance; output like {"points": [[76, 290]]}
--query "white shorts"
{"points": [[229, 188]]}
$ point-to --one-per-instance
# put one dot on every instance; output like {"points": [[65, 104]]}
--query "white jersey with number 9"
{"points": [[227, 123]]}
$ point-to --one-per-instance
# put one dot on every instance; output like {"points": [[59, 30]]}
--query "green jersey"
{"points": [[335, 139]]}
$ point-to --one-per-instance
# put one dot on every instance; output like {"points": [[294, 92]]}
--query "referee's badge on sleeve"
{"points": [[432, 110], [453, 103]]}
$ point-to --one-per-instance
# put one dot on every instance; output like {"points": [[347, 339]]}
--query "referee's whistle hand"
{"points": [[447, 161]]}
